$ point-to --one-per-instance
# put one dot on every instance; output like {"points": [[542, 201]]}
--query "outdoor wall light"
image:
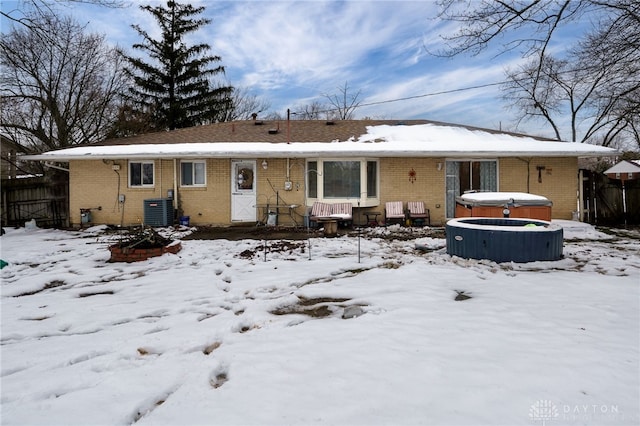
{"points": [[439, 166], [265, 165]]}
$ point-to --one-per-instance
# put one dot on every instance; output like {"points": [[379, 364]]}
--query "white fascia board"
{"points": [[322, 149]]}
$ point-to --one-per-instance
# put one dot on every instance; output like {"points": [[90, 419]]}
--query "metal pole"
{"points": [[309, 239], [624, 204], [594, 197], [359, 233]]}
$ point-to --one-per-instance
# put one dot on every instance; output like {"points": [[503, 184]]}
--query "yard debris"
{"points": [[143, 237], [461, 296], [140, 244]]}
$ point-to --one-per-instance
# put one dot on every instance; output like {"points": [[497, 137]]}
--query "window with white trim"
{"points": [[469, 175], [343, 180], [193, 173], [141, 173]]}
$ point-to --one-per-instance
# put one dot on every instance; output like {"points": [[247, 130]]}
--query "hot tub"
{"points": [[503, 204], [504, 239]]}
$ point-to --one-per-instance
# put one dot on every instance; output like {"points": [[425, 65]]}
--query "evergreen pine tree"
{"points": [[177, 89]]}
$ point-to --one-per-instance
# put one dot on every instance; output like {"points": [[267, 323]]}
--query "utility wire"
{"points": [[443, 92]]}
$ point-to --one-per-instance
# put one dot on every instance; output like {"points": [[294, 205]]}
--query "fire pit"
{"points": [[142, 244]]}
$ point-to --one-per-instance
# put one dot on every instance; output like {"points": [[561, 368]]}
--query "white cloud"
{"points": [[291, 53], [314, 41]]}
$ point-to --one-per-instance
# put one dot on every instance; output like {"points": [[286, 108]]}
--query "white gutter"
{"points": [[53, 166], [317, 149]]}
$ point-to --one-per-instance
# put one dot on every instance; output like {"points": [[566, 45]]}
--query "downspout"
{"points": [[580, 194], [175, 184], [528, 172]]}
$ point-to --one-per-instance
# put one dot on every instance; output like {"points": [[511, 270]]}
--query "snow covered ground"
{"points": [[222, 334]]}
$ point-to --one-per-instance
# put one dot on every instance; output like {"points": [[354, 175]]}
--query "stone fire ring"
{"points": [[127, 254]]}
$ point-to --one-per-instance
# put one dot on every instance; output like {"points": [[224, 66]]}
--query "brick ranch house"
{"points": [[236, 172]]}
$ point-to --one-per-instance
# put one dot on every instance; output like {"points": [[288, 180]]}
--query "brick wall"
{"points": [[94, 183], [428, 185], [271, 187], [558, 181], [211, 204]]}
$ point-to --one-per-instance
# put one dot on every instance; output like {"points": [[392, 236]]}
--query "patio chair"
{"points": [[343, 212], [393, 212], [418, 214], [319, 210]]}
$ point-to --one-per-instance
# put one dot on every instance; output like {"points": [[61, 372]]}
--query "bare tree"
{"points": [[560, 90], [598, 79], [485, 22], [244, 104], [316, 110], [59, 84], [275, 116], [615, 47], [25, 10], [344, 104]]}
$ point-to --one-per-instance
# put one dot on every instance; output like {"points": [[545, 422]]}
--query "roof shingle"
{"points": [[281, 131]]}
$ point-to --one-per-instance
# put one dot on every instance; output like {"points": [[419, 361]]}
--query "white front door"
{"points": [[243, 191]]}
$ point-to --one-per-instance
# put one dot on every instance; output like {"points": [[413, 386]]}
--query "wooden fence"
{"points": [[36, 198], [604, 203]]}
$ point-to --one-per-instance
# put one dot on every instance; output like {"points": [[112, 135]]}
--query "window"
{"points": [[312, 179], [372, 179], [352, 180], [141, 173], [193, 173], [341, 179], [477, 176], [470, 175]]}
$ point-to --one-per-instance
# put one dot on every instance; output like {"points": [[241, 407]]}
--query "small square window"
{"points": [[193, 173], [141, 173]]}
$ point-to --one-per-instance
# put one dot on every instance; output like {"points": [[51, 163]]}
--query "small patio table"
{"points": [[372, 218], [330, 225]]}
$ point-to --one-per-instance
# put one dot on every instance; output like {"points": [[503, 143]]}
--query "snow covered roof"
{"points": [[625, 167], [375, 139]]}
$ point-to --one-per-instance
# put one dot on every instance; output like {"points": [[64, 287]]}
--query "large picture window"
{"points": [[341, 179], [141, 173], [193, 173], [346, 180]]}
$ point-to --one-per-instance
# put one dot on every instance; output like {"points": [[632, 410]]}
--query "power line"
{"points": [[443, 92], [462, 89]]}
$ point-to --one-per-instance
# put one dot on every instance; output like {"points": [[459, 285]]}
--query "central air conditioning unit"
{"points": [[158, 212]]}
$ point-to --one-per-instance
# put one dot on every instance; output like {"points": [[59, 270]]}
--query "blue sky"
{"points": [[293, 53]]}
